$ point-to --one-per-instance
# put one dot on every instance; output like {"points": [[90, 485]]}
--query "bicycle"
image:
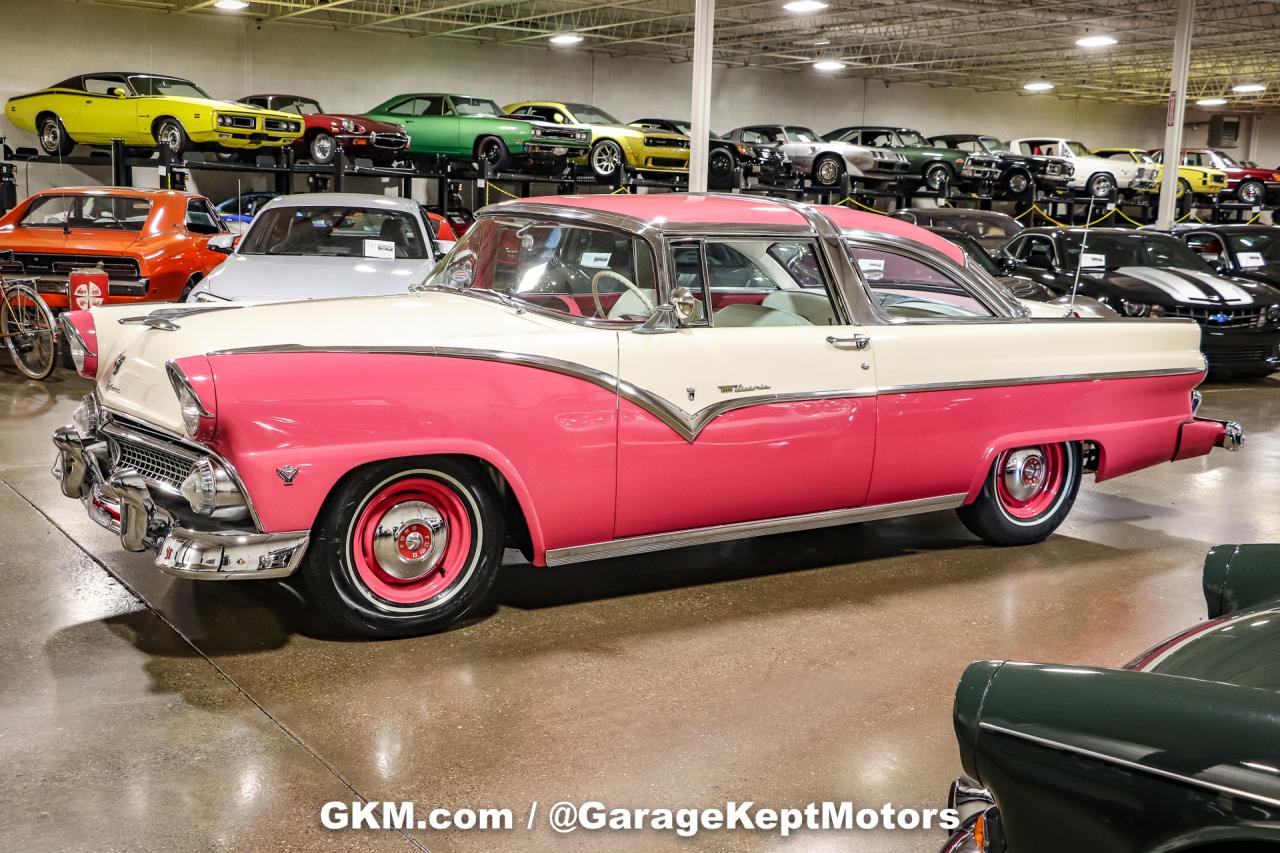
{"points": [[27, 326]]}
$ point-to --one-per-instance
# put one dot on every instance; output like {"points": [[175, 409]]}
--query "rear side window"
{"points": [[201, 218], [909, 289]]}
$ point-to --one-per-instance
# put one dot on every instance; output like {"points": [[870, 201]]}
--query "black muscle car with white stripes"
{"points": [[1151, 274], [1247, 251]]}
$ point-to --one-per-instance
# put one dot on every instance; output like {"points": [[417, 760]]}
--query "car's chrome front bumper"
{"points": [[979, 829], [122, 503]]}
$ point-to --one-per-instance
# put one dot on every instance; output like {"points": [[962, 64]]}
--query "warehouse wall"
{"points": [[230, 56]]}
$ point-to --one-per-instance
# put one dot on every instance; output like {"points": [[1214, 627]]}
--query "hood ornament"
{"points": [[287, 473]]}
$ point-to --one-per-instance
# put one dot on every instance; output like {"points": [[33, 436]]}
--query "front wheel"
{"points": [[1017, 183], [1027, 494], [406, 547], [720, 166], [322, 148], [1251, 192], [605, 159], [827, 170], [27, 325]]}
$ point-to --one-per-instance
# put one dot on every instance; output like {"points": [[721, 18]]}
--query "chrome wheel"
{"points": [[171, 135], [51, 136], [1101, 186], [827, 172], [322, 148], [606, 158], [1250, 192], [935, 177], [1018, 182]]}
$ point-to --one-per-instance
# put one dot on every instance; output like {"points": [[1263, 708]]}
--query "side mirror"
{"points": [[1008, 265], [684, 304], [223, 243], [118, 92]]}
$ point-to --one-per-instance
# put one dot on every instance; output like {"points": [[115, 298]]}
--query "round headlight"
{"points": [[1134, 309], [87, 416], [348, 125]]}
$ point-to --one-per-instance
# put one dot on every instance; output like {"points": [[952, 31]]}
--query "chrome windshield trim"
{"points": [[1132, 765], [742, 530], [1037, 380]]}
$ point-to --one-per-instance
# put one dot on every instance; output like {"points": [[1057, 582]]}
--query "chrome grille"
{"points": [[1053, 169], [389, 140], [167, 469], [1220, 318], [279, 124]]}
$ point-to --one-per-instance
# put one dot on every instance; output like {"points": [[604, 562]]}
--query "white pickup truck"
{"points": [[1100, 177]]}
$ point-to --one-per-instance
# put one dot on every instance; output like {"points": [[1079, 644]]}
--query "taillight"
{"points": [[192, 381], [82, 340]]}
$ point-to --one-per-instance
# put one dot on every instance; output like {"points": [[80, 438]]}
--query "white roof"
{"points": [[387, 202]]}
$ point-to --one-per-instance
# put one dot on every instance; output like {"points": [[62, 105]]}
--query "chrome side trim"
{"points": [[686, 426], [746, 529], [1132, 765], [1037, 380]]}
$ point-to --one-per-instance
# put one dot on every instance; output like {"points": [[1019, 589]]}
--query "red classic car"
{"points": [[142, 245], [1248, 184], [358, 136]]}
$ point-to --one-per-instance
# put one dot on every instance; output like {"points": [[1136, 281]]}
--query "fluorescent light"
{"points": [[821, 41], [801, 7], [231, 5], [829, 65], [1248, 88], [1042, 86], [566, 38], [1211, 102], [1095, 41]]}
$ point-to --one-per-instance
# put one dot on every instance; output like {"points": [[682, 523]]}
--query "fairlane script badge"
{"points": [[740, 389], [287, 473]]}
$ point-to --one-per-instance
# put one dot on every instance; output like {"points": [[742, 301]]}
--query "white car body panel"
{"points": [[1125, 172]]}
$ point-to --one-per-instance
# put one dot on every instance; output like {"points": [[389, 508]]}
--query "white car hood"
{"points": [[267, 278]]}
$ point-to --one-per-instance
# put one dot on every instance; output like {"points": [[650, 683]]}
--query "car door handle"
{"points": [[856, 342]]}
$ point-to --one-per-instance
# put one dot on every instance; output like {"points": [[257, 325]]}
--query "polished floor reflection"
{"points": [[144, 713]]}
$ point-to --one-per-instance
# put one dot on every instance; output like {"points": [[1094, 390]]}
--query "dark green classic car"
{"points": [[1178, 752], [935, 166], [464, 127]]}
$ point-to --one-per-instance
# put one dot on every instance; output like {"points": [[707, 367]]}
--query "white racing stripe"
{"points": [[1176, 285]]}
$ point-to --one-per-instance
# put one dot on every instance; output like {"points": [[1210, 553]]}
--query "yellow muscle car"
{"points": [[1195, 179], [612, 141], [145, 111]]}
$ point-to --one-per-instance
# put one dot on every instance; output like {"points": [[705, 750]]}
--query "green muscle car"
{"points": [[935, 166], [1178, 752], [463, 127]]}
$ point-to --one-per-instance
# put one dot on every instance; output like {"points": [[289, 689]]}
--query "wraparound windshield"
{"points": [[165, 87], [300, 107], [1227, 161], [587, 114], [105, 212], [340, 232], [802, 134], [1112, 251]]}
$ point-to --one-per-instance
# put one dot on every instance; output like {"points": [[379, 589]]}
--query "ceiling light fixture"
{"points": [[566, 38], [829, 65], [802, 7], [1211, 102], [1095, 41], [231, 5], [1041, 86], [1249, 88], [820, 42]]}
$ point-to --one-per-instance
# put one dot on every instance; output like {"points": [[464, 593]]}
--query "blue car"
{"points": [[241, 208]]}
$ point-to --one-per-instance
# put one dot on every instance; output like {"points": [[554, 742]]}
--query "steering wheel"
{"points": [[628, 283]]}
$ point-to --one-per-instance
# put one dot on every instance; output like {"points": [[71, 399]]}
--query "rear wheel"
{"points": [[1102, 185], [406, 547], [170, 133], [720, 163], [1184, 188], [937, 176], [27, 325], [53, 137], [1027, 494]]}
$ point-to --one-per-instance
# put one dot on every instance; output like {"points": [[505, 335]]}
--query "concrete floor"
{"points": [[144, 713]]}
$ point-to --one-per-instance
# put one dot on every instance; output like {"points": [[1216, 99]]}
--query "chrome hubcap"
{"points": [[169, 136], [1101, 186], [410, 540], [828, 171], [934, 179], [322, 147], [50, 136], [1024, 473], [1018, 183]]}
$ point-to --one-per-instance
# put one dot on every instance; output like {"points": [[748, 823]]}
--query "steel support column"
{"points": [[704, 14], [1176, 113]]}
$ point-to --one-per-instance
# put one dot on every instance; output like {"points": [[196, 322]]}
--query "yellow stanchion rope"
{"points": [[491, 185], [621, 190], [844, 202]]}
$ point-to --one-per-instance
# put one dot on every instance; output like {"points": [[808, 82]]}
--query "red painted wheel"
{"points": [[412, 540], [1029, 480], [407, 547], [1026, 495]]}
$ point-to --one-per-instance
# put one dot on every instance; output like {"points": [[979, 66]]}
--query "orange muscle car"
{"points": [[142, 245]]}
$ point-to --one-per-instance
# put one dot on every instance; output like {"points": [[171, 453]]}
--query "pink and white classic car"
{"points": [[595, 376]]}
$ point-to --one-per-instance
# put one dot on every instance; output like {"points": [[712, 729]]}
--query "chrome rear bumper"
{"points": [[122, 503]]}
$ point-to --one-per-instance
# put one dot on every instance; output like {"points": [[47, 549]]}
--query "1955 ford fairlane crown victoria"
{"points": [[595, 376]]}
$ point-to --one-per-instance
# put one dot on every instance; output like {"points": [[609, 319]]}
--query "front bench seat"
{"points": [[814, 307], [744, 314]]}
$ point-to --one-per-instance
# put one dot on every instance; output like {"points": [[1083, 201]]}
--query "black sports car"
{"points": [[767, 164], [989, 228], [1151, 274], [1247, 251], [1010, 174]]}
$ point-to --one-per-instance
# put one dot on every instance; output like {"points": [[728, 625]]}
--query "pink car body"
{"points": [[603, 431]]}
